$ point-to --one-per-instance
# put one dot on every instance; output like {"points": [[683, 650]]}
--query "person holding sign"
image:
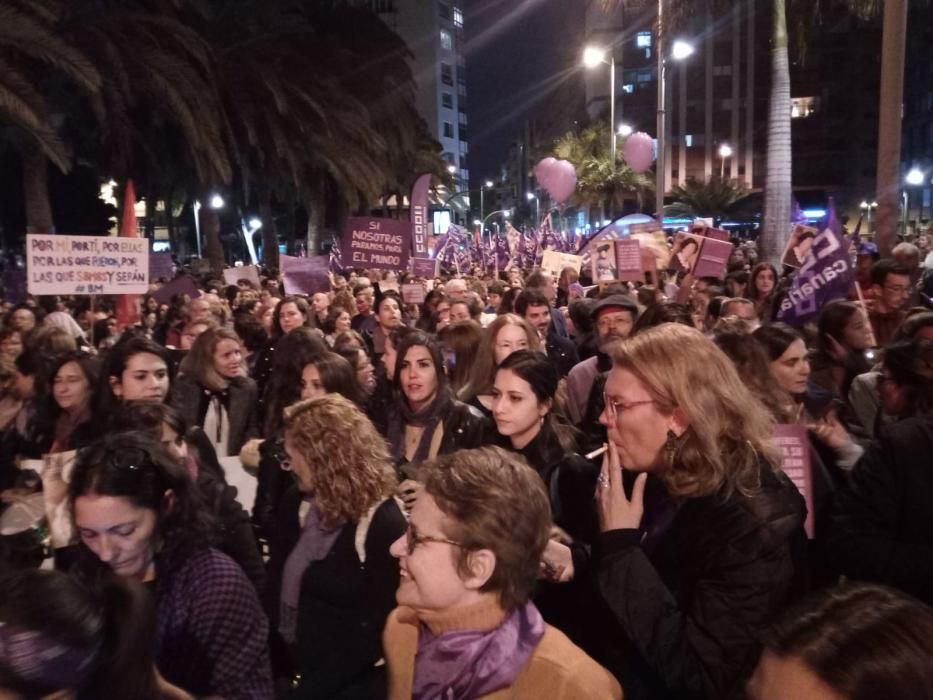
{"points": [[704, 547]]}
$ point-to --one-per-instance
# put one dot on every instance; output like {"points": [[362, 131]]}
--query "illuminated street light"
{"points": [[255, 223], [489, 183], [624, 130], [725, 151], [593, 56], [451, 169], [217, 202], [914, 177], [681, 50]]}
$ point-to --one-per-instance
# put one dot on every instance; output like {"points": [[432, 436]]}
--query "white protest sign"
{"points": [[554, 261], [244, 272], [86, 264]]}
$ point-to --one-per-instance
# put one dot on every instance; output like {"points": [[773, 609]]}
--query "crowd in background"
{"points": [[525, 486]]}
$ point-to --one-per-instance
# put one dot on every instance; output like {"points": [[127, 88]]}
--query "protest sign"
{"points": [[420, 217], [794, 445], [181, 285], [245, 272], [372, 243], [424, 267], [161, 266], [798, 245], [413, 293], [686, 251], [554, 262], [629, 261], [714, 256], [655, 242], [717, 233], [86, 264], [603, 263], [305, 275]]}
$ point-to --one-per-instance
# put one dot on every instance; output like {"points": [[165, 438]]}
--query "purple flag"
{"points": [[826, 274]]}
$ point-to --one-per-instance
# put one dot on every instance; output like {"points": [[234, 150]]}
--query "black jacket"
{"points": [[692, 599], [882, 527], [465, 428], [562, 352], [185, 397]]}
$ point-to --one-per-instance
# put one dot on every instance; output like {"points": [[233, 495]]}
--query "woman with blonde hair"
{"points": [[338, 581], [710, 543], [213, 392], [508, 333]]}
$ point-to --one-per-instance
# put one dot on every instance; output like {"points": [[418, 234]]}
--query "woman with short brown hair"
{"points": [[710, 544]]}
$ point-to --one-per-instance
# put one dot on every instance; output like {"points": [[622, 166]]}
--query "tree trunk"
{"points": [[776, 224], [36, 189], [210, 223], [270, 237], [889, 124], [170, 222], [315, 204]]}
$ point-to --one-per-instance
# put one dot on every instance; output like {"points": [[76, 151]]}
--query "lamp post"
{"points": [[866, 207], [914, 178], [593, 56], [482, 190], [679, 51], [725, 151]]}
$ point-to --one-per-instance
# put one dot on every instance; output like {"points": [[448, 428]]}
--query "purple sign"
{"points": [[372, 243], [420, 217], [182, 285], [628, 261], [826, 274], [713, 258], [161, 266], [305, 275], [424, 267]]}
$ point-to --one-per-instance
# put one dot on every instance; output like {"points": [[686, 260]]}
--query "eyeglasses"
{"points": [[899, 289], [615, 407], [413, 539]]}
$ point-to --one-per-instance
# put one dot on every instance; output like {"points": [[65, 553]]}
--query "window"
{"points": [[628, 88], [722, 70], [688, 140], [643, 40], [458, 17], [447, 100], [462, 136], [803, 107], [461, 89], [447, 43], [448, 130], [444, 10], [447, 74]]}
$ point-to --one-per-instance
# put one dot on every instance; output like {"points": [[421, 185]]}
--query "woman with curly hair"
{"points": [[709, 544], [138, 512], [338, 581]]}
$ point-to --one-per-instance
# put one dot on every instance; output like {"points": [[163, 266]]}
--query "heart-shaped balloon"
{"points": [[544, 171], [638, 151], [564, 181]]}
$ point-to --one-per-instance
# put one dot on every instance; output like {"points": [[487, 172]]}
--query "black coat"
{"points": [[185, 397], [465, 428], [882, 526], [692, 600], [343, 606], [562, 352]]}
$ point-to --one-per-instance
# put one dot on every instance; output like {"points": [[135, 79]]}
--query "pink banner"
{"points": [[794, 444]]}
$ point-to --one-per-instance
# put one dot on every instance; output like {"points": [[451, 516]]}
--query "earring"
{"points": [[670, 444]]}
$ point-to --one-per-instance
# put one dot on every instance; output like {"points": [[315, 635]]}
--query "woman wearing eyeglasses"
{"points": [[465, 627], [138, 512], [337, 578], [707, 543]]}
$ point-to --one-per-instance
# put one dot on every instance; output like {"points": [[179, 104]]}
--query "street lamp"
{"points": [[217, 202], [594, 56], [679, 51], [624, 130], [914, 178], [866, 207], [725, 151], [482, 192]]}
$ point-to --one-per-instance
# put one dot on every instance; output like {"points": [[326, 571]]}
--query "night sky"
{"points": [[522, 56]]}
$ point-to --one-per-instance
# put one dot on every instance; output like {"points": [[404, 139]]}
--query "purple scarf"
{"points": [[313, 545], [460, 665]]}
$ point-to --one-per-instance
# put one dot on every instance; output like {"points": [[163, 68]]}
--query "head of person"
{"points": [[535, 308], [460, 344], [320, 303], [580, 313], [251, 332], [614, 318], [467, 308], [891, 283], [74, 380], [848, 643], [544, 282], [523, 395], [199, 309], [364, 300], [905, 385], [665, 312], [161, 422], [363, 369], [132, 500], [419, 376], [740, 308], [22, 318], [456, 289], [476, 532], [337, 456], [292, 353], [916, 325], [137, 369], [190, 332], [494, 293], [11, 343], [290, 313], [389, 311], [787, 356], [762, 281], [50, 340], [737, 283], [330, 373], [441, 315], [337, 321], [908, 255], [508, 333], [215, 359], [843, 323], [390, 351], [676, 407], [62, 638], [568, 276]]}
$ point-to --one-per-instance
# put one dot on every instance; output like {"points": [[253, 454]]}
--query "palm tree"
{"points": [[717, 199]]}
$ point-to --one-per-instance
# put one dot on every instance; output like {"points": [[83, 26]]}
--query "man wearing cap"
{"points": [[613, 318]]}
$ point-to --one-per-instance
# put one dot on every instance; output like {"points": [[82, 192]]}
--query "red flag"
{"points": [[128, 304]]}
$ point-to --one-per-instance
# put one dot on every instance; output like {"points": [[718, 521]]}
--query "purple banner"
{"points": [[305, 275], [182, 285], [371, 243], [420, 217], [628, 261], [714, 256], [161, 266], [424, 267], [826, 274]]}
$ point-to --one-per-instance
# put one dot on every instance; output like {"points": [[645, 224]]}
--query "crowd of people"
{"points": [[523, 487]]}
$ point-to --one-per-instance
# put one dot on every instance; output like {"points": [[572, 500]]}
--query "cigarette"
{"points": [[596, 453]]}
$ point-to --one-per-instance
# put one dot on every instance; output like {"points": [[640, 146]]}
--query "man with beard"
{"points": [[613, 318]]}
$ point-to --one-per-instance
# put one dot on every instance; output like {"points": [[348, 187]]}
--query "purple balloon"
{"points": [[564, 181], [638, 151], [544, 171]]}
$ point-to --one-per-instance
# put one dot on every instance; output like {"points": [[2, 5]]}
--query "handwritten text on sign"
{"points": [[382, 244], [86, 264]]}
